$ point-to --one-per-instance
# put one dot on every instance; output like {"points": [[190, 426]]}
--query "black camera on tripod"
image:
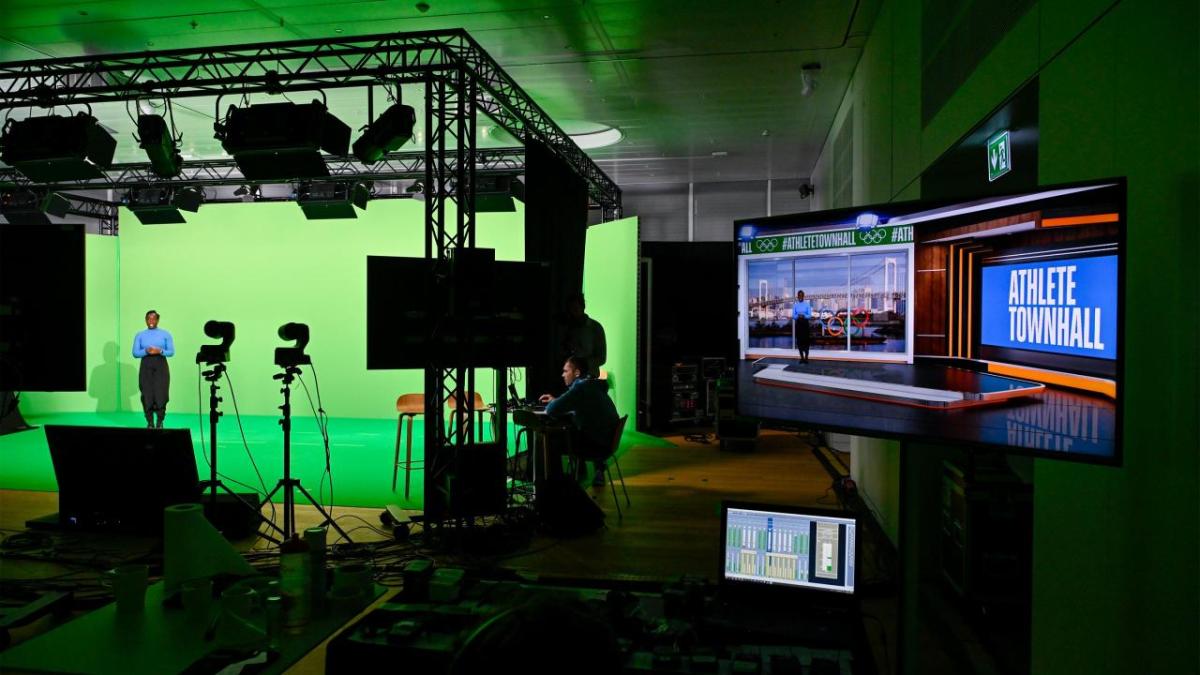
{"points": [[215, 354], [290, 357]]}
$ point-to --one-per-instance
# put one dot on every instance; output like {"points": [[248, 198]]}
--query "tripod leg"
{"points": [[320, 510]]}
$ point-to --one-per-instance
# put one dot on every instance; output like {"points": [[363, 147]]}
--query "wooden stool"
{"points": [[408, 405]]}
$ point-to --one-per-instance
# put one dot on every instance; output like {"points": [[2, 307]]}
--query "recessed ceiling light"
{"points": [[720, 153], [591, 135], [339, 31]]}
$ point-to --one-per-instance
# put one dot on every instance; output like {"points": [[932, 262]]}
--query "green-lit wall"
{"points": [[610, 272], [1116, 550], [259, 266]]}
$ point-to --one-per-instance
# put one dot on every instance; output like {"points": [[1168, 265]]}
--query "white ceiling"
{"points": [[682, 79]]}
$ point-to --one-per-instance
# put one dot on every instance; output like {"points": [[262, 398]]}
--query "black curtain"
{"points": [[556, 211]]}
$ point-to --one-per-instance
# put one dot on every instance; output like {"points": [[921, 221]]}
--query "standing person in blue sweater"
{"points": [[153, 346], [801, 314], [591, 412]]}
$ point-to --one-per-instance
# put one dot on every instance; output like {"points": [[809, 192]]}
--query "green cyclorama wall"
{"points": [[610, 273], [259, 266], [1115, 549]]}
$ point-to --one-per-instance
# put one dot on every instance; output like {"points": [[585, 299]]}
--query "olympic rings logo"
{"points": [[766, 245], [835, 324], [873, 236]]}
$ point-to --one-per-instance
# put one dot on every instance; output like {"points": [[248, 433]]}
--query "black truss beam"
{"points": [[105, 213], [217, 172], [298, 66]]}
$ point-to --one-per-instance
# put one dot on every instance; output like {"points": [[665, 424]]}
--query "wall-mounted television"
{"points": [[979, 322]]}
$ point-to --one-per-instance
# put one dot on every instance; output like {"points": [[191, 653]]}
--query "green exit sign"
{"points": [[999, 153]]}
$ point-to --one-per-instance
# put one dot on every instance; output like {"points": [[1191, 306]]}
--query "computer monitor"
{"points": [[788, 546], [121, 479]]}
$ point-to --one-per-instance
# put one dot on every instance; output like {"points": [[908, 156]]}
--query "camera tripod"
{"points": [[288, 484], [213, 484]]}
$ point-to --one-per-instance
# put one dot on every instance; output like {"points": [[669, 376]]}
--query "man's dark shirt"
{"points": [[587, 404]]}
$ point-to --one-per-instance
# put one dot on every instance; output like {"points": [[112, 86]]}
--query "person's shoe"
{"points": [[149, 425], [158, 424]]}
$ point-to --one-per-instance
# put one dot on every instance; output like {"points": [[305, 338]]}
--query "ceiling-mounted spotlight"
{"points": [[163, 150], [152, 205], [32, 206], [495, 194], [808, 82], [416, 190], [386, 134], [54, 148], [323, 200], [188, 199], [248, 193], [282, 140]]}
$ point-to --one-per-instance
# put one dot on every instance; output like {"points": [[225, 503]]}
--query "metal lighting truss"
{"points": [[302, 65], [217, 172]]}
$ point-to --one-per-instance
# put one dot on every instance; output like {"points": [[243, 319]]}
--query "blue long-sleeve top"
{"points": [[153, 337], [587, 403], [801, 308]]}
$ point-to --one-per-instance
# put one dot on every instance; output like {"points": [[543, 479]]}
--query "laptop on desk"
{"points": [[788, 572]]}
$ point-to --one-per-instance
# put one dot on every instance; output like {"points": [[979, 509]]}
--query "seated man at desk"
{"points": [[591, 412]]}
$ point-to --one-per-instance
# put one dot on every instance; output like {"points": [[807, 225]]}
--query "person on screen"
{"points": [[153, 346], [801, 309], [591, 412], [585, 335]]}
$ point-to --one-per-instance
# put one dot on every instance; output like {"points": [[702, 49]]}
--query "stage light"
{"points": [[155, 138], [56, 205], [218, 330], [495, 194], [26, 206], [416, 190], [287, 357], [332, 199], [386, 134], [188, 199], [55, 148], [282, 140], [152, 205]]}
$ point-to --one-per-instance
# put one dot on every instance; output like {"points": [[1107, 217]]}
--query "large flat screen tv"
{"points": [[979, 322]]}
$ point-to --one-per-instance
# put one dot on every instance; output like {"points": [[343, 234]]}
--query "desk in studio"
{"points": [[155, 642]]}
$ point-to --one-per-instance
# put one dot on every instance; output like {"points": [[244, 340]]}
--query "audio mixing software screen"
{"points": [[811, 551]]}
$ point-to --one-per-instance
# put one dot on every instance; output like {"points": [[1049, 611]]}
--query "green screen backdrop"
{"points": [[261, 266], [610, 275]]}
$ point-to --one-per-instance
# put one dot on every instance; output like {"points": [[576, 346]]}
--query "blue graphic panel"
{"points": [[1060, 307]]}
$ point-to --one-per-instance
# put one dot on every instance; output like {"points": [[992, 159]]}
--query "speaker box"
{"points": [[470, 482], [231, 517], [565, 510]]}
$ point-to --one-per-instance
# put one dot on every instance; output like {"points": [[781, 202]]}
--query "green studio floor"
{"points": [[361, 453]]}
